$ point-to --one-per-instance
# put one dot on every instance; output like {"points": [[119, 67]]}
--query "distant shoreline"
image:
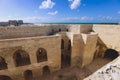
{"points": [[78, 23]]}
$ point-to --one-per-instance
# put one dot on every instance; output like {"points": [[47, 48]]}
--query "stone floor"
{"points": [[109, 72], [76, 73]]}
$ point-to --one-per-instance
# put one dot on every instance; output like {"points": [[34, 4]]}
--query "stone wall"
{"points": [[30, 45], [109, 37], [79, 46], [30, 31], [89, 48]]}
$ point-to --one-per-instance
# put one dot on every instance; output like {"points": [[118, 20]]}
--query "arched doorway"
{"points": [[2, 77], [28, 75], [46, 70], [3, 64], [21, 58], [66, 56], [111, 54], [41, 55]]}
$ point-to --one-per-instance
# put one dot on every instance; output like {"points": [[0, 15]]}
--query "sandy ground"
{"points": [[76, 73]]}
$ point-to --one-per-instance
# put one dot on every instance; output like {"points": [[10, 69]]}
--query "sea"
{"points": [[76, 23]]}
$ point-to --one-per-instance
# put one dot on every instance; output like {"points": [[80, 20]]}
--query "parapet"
{"points": [[77, 29]]}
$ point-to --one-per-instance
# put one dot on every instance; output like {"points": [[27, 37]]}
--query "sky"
{"points": [[39, 11]]}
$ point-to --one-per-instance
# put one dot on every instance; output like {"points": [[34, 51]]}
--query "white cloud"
{"points": [[47, 4], [53, 13], [35, 19], [75, 4], [83, 18], [118, 12]]}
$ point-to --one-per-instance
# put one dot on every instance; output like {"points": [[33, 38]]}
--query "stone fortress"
{"points": [[27, 53]]}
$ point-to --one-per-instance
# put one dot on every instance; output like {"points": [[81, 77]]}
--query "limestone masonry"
{"points": [[28, 52]]}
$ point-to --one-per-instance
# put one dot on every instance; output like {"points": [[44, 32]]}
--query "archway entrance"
{"points": [[111, 54], [41, 55], [46, 70], [2, 77], [3, 64], [28, 75], [66, 56], [21, 58]]}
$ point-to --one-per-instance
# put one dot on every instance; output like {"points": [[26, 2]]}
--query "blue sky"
{"points": [[38, 11]]}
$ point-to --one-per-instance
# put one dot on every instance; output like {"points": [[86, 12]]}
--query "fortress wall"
{"points": [[86, 28], [30, 31], [77, 29], [51, 44], [60, 27], [110, 35], [27, 31], [44, 30], [89, 49]]}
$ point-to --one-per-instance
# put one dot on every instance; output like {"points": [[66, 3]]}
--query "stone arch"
{"points": [[62, 44], [3, 77], [28, 75], [41, 55], [21, 58], [111, 54], [46, 70], [3, 64]]}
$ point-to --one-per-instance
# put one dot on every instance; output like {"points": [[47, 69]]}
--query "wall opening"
{"points": [[3, 64], [41, 55], [2, 77], [66, 56], [21, 58], [59, 30], [67, 30], [111, 54], [52, 32], [46, 70], [62, 44], [28, 75]]}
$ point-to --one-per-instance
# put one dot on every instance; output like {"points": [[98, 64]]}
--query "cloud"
{"points": [[35, 19], [53, 13], [75, 4], [118, 12], [47, 4], [83, 18]]}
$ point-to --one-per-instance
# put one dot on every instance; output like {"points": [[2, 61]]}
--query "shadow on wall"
{"points": [[2, 77], [3, 64]]}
